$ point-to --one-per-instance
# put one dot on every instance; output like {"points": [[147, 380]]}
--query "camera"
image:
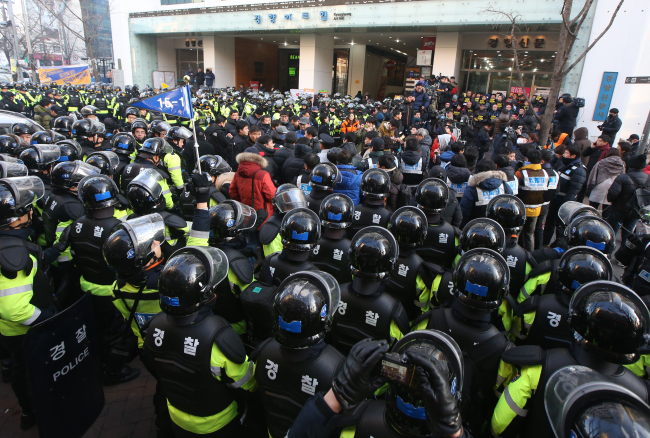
{"points": [[397, 368]]}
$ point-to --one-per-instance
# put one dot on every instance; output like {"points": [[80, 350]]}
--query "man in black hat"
{"points": [[634, 140], [256, 117], [326, 143]]}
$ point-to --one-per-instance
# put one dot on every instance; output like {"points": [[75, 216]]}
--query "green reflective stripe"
{"points": [[216, 371], [15, 290], [241, 382], [123, 218], [512, 405], [60, 229], [166, 192], [200, 234], [175, 168], [34, 317]]}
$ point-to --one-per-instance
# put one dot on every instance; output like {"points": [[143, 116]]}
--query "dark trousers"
{"points": [[19, 382], [617, 221], [551, 220], [111, 326]]}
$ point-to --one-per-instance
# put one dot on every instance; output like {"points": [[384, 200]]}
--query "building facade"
{"points": [[375, 47]]}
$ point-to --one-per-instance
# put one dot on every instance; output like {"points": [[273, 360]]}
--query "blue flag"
{"points": [[177, 102]]}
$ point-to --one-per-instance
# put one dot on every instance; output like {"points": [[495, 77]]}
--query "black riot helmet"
{"points": [[63, 125], [287, 197], [214, 165], [41, 137], [70, 150], [21, 128], [581, 402], [105, 161], [300, 229], [9, 143], [68, 174], [132, 111], [88, 110], [303, 309], [134, 244], [159, 127], [581, 265], [409, 226], [123, 143], [188, 280], [375, 184], [85, 128], [432, 195], [156, 146], [40, 157], [481, 279], [336, 211], [404, 405], [325, 176], [12, 169], [98, 191], [591, 231], [139, 124], [373, 253], [17, 196], [482, 233], [572, 210], [508, 210], [229, 218], [176, 133], [609, 321], [145, 192]]}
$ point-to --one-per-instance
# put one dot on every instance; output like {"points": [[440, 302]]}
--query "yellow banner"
{"points": [[65, 74]]}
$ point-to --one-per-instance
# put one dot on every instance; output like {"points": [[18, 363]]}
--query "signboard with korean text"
{"points": [[605, 95], [424, 57], [65, 74], [64, 362], [428, 43]]}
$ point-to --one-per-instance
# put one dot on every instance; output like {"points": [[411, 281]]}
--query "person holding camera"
{"points": [[565, 118], [611, 125]]}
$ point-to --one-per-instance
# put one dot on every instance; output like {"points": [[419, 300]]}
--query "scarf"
{"points": [[604, 148], [610, 167]]}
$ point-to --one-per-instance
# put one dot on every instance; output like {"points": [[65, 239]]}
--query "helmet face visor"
{"points": [[48, 153], [151, 180], [12, 170], [26, 189], [146, 232], [290, 199]]}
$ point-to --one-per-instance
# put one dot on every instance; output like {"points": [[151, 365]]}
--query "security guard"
{"points": [[610, 324], [196, 356], [480, 282], [148, 157], [145, 196], [366, 311], [578, 266], [296, 363], [25, 294], [432, 196], [375, 189], [300, 231], [322, 181], [214, 166], [99, 195], [406, 282], [331, 252], [287, 197]]}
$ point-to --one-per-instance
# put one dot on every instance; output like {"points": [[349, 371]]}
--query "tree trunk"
{"points": [[563, 48]]}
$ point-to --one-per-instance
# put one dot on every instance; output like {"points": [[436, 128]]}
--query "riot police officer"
{"points": [[85, 133], [331, 251], [63, 125], [124, 145], [542, 319], [70, 150], [375, 189], [300, 231], [149, 156], [366, 310], [213, 166], [296, 363], [173, 162], [432, 196], [322, 181], [481, 233], [480, 282], [287, 197], [139, 130], [197, 358], [106, 161], [610, 324], [99, 195]]}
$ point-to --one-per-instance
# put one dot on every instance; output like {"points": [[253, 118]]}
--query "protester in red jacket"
{"points": [[251, 181]]}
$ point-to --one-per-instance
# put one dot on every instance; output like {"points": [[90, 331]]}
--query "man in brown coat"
{"points": [[581, 136]]}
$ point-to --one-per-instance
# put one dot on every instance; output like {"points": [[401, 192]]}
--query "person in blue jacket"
{"points": [[487, 183], [350, 177]]}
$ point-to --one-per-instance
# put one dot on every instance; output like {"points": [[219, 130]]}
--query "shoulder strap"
{"points": [[132, 310], [253, 189]]}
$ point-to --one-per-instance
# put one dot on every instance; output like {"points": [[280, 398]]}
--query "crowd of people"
{"points": [[334, 266]]}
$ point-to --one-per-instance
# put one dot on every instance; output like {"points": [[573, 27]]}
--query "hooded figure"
{"points": [[251, 181], [481, 188], [582, 139]]}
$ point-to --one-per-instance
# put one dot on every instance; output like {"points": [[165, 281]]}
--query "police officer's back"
{"points": [[322, 181], [287, 197], [375, 189]]}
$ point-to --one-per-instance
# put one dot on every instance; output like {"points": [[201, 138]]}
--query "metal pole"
{"points": [[28, 38], [10, 12]]}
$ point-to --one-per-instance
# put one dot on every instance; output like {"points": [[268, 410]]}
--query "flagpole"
{"points": [[186, 79]]}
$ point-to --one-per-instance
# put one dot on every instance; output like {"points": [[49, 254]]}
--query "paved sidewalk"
{"points": [[128, 411]]}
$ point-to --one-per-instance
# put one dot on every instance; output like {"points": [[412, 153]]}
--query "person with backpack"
{"points": [[350, 177], [400, 194], [622, 195]]}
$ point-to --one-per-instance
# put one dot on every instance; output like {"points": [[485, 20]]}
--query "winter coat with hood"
{"points": [[425, 145], [284, 153], [624, 186], [446, 157], [350, 182], [271, 166], [458, 176], [294, 165], [352, 148], [581, 138], [601, 178], [396, 178], [412, 158], [243, 185], [487, 181]]}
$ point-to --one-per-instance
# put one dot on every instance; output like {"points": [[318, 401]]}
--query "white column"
{"points": [[446, 58], [316, 55], [357, 67], [219, 55]]}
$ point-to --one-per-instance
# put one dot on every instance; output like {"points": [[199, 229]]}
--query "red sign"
{"points": [[429, 43], [390, 64], [519, 90], [255, 85], [48, 57]]}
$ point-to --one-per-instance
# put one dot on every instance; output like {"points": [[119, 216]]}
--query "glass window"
{"points": [[340, 71], [396, 74], [499, 82], [478, 81], [186, 58]]}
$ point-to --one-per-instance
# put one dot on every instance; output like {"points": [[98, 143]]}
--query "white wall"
{"points": [[624, 49], [447, 57], [316, 54], [356, 69]]}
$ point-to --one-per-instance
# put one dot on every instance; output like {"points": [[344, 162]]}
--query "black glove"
{"points": [[64, 240], [634, 242], [199, 186], [442, 412], [354, 382]]}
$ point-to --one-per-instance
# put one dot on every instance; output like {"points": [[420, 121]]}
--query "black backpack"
{"points": [[404, 195], [639, 199]]}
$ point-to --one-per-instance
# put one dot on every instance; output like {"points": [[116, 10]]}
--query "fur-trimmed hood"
{"points": [[252, 158], [489, 180]]}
